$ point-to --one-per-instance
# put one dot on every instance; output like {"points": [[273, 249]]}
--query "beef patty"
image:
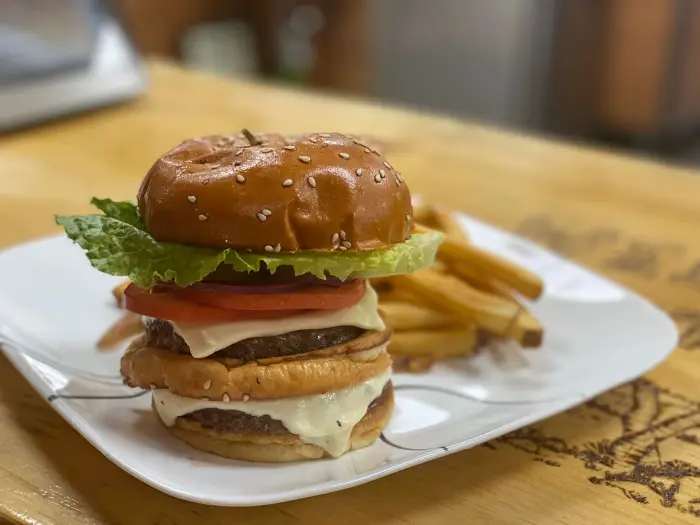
{"points": [[241, 423], [160, 334]]}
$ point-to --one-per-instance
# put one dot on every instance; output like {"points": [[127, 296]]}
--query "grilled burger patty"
{"points": [[242, 423], [160, 333]]}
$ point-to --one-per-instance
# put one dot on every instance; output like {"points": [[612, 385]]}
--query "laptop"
{"points": [[59, 57]]}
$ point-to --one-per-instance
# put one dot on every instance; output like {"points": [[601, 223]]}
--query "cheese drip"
{"points": [[324, 420], [204, 339]]}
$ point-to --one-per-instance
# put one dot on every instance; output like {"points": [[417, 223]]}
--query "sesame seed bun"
{"points": [[280, 448], [332, 368], [324, 191]]}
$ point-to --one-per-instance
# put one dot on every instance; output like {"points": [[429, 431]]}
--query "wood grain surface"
{"points": [[631, 455]]}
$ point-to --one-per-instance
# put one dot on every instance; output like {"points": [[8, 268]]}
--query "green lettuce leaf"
{"points": [[123, 211], [119, 248], [411, 255], [116, 243]]}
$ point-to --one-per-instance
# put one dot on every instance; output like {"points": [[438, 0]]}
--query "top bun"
{"points": [[321, 191]]}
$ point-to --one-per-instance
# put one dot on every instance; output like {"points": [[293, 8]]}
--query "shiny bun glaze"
{"points": [[321, 191]]}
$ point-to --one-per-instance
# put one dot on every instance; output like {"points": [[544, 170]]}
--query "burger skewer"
{"points": [[252, 139]]}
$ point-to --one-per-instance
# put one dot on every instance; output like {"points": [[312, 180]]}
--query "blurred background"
{"points": [[621, 73]]}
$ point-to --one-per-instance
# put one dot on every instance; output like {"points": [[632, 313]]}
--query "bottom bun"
{"points": [[281, 448]]}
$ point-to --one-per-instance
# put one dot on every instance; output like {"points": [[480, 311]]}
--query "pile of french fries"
{"points": [[469, 297]]}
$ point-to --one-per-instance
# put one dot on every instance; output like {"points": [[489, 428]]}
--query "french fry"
{"points": [[446, 221], [128, 325], [448, 294], [402, 316], [435, 344], [460, 253], [526, 329], [118, 292], [412, 364], [422, 213], [398, 295]]}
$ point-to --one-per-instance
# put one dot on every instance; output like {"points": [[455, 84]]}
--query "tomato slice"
{"points": [[167, 306], [308, 298]]}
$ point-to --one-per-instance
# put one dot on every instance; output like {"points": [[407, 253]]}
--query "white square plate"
{"points": [[54, 307]]}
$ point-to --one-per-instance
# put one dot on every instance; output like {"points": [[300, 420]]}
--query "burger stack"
{"points": [[249, 257]]}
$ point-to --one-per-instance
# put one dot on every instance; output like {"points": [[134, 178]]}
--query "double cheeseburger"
{"points": [[248, 257]]}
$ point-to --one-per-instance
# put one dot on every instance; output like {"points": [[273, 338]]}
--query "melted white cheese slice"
{"points": [[324, 420], [206, 338]]}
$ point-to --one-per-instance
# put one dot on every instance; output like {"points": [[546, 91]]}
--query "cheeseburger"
{"points": [[248, 257]]}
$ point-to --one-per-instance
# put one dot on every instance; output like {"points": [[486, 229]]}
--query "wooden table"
{"points": [[633, 220]]}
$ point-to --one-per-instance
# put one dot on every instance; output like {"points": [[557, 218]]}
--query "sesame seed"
{"points": [[239, 152], [312, 182], [343, 248], [334, 239], [207, 384], [278, 247], [287, 183], [290, 148], [344, 155], [408, 217], [269, 248], [313, 140], [398, 177], [240, 178], [192, 198], [358, 172], [378, 178], [382, 173], [398, 183], [388, 166], [343, 235], [347, 244], [262, 217], [214, 166], [266, 150], [324, 135], [267, 212], [304, 159], [367, 150], [246, 397], [202, 217], [226, 398], [153, 386]]}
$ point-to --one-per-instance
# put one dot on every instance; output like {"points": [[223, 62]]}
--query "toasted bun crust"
{"points": [[278, 448], [332, 368], [304, 193]]}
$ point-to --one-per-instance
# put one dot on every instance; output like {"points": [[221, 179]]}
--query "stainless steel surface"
{"points": [[59, 57]]}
